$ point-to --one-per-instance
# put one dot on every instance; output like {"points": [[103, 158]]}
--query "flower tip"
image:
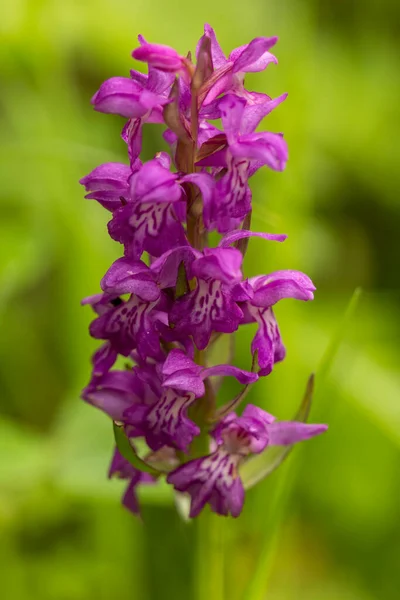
{"points": [[320, 428], [93, 99], [158, 56]]}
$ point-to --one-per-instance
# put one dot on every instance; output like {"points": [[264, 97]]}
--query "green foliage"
{"points": [[326, 524], [128, 452]]}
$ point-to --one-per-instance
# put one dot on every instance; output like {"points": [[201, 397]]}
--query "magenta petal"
{"points": [[123, 96], [234, 236], [113, 393], [267, 341], [242, 292], [218, 159], [218, 57], [121, 468], [159, 82], [129, 326], [269, 289], [167, 424], [109, 176], [155, 183], [166, 266], [181, 373], [206, 309], [211, 479], [244, 377], [132, 136], [255, 412], [129, 276], [253, 114], [103, 359], [159, 56], [138, 227], [232, 109], [232, 198], [186, 382], [177, 360], [107, 183], [140, 78], [206, 185], [255, 56], [269, 148], [223, 264], [285, 433], [129, 499]]}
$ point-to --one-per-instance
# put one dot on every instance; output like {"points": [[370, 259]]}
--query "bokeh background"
{"points": [[325, 526]]}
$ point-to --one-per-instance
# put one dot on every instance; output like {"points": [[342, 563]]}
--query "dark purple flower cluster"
{"points": [[166, 302]]}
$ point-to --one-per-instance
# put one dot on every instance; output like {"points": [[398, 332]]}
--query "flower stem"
{"points": [[209, 570]]}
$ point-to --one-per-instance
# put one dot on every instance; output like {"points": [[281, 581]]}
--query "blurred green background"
{"points": [[326, 525]]}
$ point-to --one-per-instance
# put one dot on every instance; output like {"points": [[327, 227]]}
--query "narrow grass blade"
{"points": [[333, 346]]}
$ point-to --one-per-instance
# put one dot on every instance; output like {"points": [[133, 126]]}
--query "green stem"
{"points": [[209, 568], [260, 578]]}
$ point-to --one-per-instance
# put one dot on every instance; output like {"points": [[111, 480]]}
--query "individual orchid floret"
{"points": [[182, 373], [130, 324], [256, 296], [228, 74], [107, 184], [115, 392], [166, 423], [210, 307], [214, 479], [125, 97], [129, 276], [243, 153], [103, 359], [153, 204], [140, 98], [144, 200], [160, 57]]}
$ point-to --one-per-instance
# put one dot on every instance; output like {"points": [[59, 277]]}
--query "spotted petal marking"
{"points": [[208, 308], [128, 326], [213, 479], [267, 341], [167, 422], [149, 227], [234, 194]]}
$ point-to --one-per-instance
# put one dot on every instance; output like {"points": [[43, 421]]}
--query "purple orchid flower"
{"points": [[156, 203], [115, 392], [214, 479], [167, 300], [165, 422], [244, 153], [140, 98], [229, 73], [129, 325], [210, 306], [107, 184], [256, 296]]}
